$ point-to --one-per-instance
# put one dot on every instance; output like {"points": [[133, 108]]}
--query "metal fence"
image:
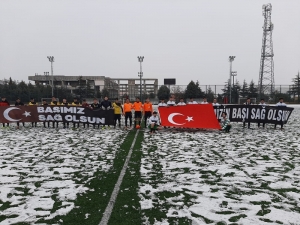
{"points": [[210, 91], [132, 91]]}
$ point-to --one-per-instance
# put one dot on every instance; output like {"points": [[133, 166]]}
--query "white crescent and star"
{"points": [[7, 111], [26, 113], [171, 118], [189, 118]]}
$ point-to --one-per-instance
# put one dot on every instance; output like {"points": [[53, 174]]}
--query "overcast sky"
{"points": [[186, 39]]}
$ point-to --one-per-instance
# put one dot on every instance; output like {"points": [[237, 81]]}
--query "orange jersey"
{"points": [[137, 106], [148, 107], [127, 107]]}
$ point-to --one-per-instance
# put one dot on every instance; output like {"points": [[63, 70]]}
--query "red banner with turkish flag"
{"points": [[189, 116]]}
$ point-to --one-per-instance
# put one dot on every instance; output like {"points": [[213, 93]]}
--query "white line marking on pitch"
{"points": [[110, 206]]}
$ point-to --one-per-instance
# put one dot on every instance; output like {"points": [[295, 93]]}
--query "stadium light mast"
{"points": [[231, 59], [140, 74], [51, 59]]}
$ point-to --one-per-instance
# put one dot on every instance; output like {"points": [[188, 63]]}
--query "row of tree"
{"points": [[193, 90], [295, 89], [238, 91], [241, 91], [12, 90]]}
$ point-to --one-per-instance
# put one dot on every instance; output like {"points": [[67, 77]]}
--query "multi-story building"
{"points": [[131, 87], [116, 87]]}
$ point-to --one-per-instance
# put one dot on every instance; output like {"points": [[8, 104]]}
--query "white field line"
{"points": [[110, 205]]}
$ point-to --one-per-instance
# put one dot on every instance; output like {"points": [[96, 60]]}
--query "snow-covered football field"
{"points": [[50, 176]]}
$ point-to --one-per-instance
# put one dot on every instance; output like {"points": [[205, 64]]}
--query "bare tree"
{"points": [[178, 92]]}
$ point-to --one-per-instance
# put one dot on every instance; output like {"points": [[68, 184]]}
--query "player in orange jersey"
{"points": [[138, 108], [127, 113], [148, 110]]}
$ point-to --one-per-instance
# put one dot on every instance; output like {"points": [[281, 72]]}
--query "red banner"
{"points": [[190, 116]]}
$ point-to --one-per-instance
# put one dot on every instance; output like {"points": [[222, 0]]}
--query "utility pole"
{"points": [[231, 59], [46, 74], [140, 74], [233, 74], [51, 59]]}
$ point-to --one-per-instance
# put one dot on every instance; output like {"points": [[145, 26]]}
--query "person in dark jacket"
{"points": [[54, 102], [4, 102], [280, 104], [44, 123], [75, 103], [248, 102], [31, 103], [95, 106], [19, 103], [85, 105], [65, 103], [106, 105]]}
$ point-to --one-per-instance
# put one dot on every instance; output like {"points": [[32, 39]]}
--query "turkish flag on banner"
{"points": [[190, 116]]}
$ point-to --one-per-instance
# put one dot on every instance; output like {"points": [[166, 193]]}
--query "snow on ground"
{"points": [[246, 176], [43, 170]]}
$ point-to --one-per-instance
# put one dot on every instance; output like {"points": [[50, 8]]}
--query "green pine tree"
{"points": [[163, 92]]}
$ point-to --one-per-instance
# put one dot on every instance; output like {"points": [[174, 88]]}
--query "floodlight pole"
{"points": [[233, 74], [46, 74], [51, 59], [140, 74], [231, 59]]}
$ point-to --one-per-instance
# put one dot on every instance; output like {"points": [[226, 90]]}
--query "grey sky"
{"points": [[186, 40]]}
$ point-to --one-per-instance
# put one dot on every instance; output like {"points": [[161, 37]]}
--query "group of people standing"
{"points": [[181, 102], [140, 109], [105, 104], [225, 122], [126, 110], [262, 102]]}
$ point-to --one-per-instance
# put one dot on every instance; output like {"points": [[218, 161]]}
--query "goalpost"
{"points": [[243, 100], [48, 100]]}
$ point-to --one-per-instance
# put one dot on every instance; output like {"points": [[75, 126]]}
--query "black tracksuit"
{"points": [[244, 123], [105, 104], [19, 104], [64, 123], [96, 106]]}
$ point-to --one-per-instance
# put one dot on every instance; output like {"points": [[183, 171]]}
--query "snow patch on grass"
{"points": [[43, 170], [204, 177]]}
